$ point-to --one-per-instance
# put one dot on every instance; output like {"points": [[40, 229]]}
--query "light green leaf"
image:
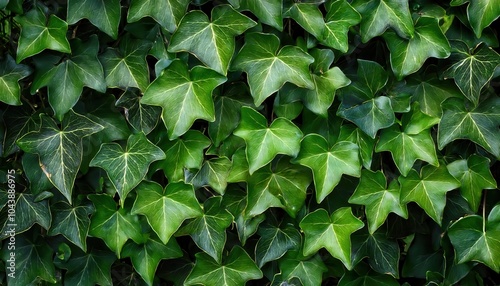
{"points": [[127, 167], [65, 81], [114, 226], [185, 95], [378, 199], [213, 173], [104, 14], [268, 67], [416, 121], [308, 271], [366, 144], [142, 117], [428, 189], [308, 16], [239, 170], [408, 56], [10, 75], [32, 212], [475, 176], [340, 17], [263, 143], [166, 12], [331, 232], [275, 241], [479, 124], [60, 148], [212, 41], [379, 15], [166, 209], [236, 269], [481, 13], [268, 11], [39, 33], [328, 164]]}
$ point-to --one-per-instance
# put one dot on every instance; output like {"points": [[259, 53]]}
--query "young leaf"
{"points": [[263, 143], [60, 148], [378, 199], [236, 269], [213, 173], [143, 118], [340, 17], [268, 11], [127, 167], [331, 232], [104, 14], [185, 95], [10, 75], [268, 67], [212, 41], [481, 13], [167, 208], [308, 271], [39, 33], [166, 12], [328, 164], [428, 189], [274, 242]]}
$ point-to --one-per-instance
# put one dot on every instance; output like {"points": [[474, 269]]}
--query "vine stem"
{"points": [[484, 210]]}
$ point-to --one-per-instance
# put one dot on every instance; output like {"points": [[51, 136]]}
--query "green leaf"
{"points": [[417, 121], [382, 252], [32, 261], [209, 230], [308, 16], [379, 15], [366, 144], [72, 222], [378, 198], [39, 33], [407, 148], [351, 278], [235, 270], [213, 173], [211, 41], [127, 167], [35, 175], [472, 69], [166, 209], [477, 239], [268, 67], [60, 148], [239, 170], [65, 81], [104, 14], [275, 241], [308, 271], [185, 95], [481, 13], [428, 189], [340, 17], [32, 212], [283, 185], [479, 124], [114, 226], [263, 143], [268, 11], [166, 12], [146, 257], [331, 232], [328, 164], [126, 66], [408, 56], [475, 176], [18, 122], [143, 118], [10, 75]]}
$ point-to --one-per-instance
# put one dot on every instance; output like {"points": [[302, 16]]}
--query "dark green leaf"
{"points": [[10, 75], [104, 14], [481, 13], [213, 173], [166, 12], [32, 212], [275, 241], [142, 117], [382, 252], [308, 271]]}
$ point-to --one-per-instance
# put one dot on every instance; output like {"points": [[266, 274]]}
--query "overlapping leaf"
{"points": [[10, 75], [104, 14], [72, 222], [142, 117], [269, 12], [481, 13], [340, 17], [166, 12], [308, 271], [213, 173], [274, 242]]}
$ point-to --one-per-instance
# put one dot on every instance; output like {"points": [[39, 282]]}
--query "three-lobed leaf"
{"points": [[167, 13], [104, 14]]}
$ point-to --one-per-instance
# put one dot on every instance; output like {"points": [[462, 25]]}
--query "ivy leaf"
{"points": [[331, 232], [185, 95], [269, 67], [417, 121], [235, 270], [351, 278], [328, 164], [143, 118], [166, 12], [263, 143], [378, 199], [274, 242], [127, 167], [209, 230], [407, 148], [239, 169], [146, 257], [182, 153], [477, 239], [104, 14], [268, 11], [408, 56], [166, 209], [60, 149], [366, 144], [65, 81], [283, 186], [475, 176], [379, 15], [72, 222], [114, 226], [35, 175], [213, 173], [212, 41], [308, 271], [428, 189], [39, 33], [340, 17], [308, 16], [472, 70], [32, 212], [480, 13], [18, 122], [479, 124], [10, 75], [126, 66]]}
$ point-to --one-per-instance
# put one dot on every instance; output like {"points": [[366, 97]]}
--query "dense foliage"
{"points": [[266, 142]]}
